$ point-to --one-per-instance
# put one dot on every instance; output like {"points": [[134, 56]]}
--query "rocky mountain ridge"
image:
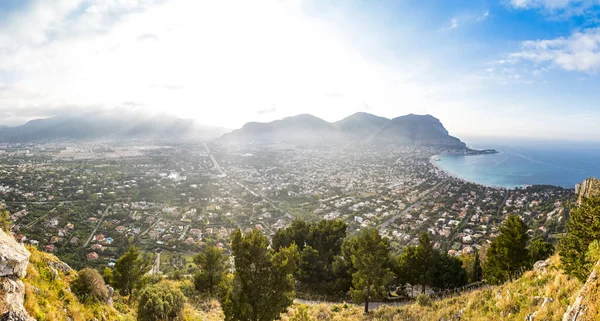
{"points": [[416, 130]]}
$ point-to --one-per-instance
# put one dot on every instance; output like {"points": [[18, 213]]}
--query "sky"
{"points": [[521, 68]]}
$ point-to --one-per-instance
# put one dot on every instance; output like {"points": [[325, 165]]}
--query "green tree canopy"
{"points": [[212, 265], [540, 249], [129, 270], [161, 302], [371, 259], [263, 285], [508, 256], [583, 227], [319, 244]]}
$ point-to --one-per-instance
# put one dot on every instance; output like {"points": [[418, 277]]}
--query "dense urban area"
{"points": [[88, 202]]}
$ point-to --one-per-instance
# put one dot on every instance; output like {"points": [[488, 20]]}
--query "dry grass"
{"points": [[511, 301], [51, 299]]}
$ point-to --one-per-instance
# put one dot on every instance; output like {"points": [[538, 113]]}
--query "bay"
{"points": [[526, 162]]}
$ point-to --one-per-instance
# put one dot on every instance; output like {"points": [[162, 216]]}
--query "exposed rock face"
{"points": [[13, 266], [588, 188], [13, 257]]}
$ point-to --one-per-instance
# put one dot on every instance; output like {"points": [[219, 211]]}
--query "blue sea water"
{"points": [[526, 162]]}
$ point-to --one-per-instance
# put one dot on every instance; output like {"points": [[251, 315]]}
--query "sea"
{"points": [[524, 162]]}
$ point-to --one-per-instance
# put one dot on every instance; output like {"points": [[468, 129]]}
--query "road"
{"points": [[217, 167], [156, 265], [96, 228], [214, 161]]}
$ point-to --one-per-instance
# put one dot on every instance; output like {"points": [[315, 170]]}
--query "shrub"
{"points": [[424, 300], [161, 302], [90, 285]]}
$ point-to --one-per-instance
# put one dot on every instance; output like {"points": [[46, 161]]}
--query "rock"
{"points": [[54, 273], [540, 265], [531, 316], [12, 297], [546, 301], [14, 316], [63, 267], [14, 257]]}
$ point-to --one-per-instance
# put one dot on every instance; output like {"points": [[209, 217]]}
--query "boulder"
{"points": [[14, 257]]}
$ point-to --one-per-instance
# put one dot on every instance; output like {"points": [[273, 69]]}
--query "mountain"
{"points": [[301, 129], [361, 124], [106, 126], [586, 189], [421, 130]]}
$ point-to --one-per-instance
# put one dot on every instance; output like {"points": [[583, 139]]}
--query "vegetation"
{"points": [[129, 270], [89, 284], [161, 302], [212, 266], [546, 293], [507, 256], [5, 223], [583, 228], [319, 243], [263, 285], [371, 259]]}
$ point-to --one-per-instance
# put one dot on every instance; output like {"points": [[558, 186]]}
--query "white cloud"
{"points": [[563, 8], [579, 52]]}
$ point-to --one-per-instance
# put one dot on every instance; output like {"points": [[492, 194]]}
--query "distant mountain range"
{"points": [[420, 130], [106, 126]]}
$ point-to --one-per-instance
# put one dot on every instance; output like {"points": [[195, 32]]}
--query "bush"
{"points": [[161, 302], [424, 300], [90, 285]]}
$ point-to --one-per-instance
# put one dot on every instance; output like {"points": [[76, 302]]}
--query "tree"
{"points": [[583, 227], [477, 270], [212, 265], [426, 258], [5, 222], [407, 269], [371, 258], [448, 273], [161, 302], [263, 285], [129, 270], [107, 274], [540, 249], [507, 256], [90, 285], [319, 244]]}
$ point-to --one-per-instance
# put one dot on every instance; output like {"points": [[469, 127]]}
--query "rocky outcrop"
{"points": [[13, 267], [578, 310], [588, 188]]}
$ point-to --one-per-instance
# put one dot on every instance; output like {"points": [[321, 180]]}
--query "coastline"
{"points": [[436, 158]]}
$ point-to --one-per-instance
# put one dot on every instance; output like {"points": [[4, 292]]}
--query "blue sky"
{"points": [[526, 68]]}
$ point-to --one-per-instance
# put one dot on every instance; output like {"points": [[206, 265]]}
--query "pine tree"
{"points": [[477, 270], [371, 258], [129, 270], [212, 265], [426, 261], [507, 256], [583, 227], [262, 286]]}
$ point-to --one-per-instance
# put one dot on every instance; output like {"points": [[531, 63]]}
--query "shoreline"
{"points": [[433, 160]]}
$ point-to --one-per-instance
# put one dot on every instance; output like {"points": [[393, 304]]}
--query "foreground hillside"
{"points": [[544, 293]]}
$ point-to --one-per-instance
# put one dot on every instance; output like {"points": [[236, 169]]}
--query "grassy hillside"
{"points": [[546, 292], [49, 298]]}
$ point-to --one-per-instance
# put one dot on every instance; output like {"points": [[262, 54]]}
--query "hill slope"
{"points": [[541, 294]]}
